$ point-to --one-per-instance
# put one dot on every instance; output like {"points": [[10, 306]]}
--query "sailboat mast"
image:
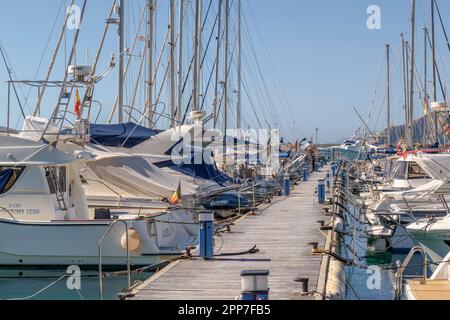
{"points": [[227, 44], [121, 57], [197, 48], [388, 76], [239, 69], [405, 80], [411, 98], [425, 78], [180, 61], [433, 44], [172, 63], [150, 24], [217, 84]]}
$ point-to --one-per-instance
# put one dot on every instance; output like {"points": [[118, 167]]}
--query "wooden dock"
{"points": [[281, 233]]}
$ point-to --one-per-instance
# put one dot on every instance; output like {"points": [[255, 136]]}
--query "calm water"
{"points": [[357, 278], [19, 284]]}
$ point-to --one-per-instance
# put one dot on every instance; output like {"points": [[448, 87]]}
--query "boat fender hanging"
{"points": [[134, 240]]}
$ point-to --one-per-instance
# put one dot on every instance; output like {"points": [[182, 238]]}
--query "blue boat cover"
{"points": [[127, 135], [199, 171]]}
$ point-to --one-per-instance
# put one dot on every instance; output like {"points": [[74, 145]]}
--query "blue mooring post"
{"points": [[305, 173], [206, 235], [328, 181], [255, 285], [321, 191], [287, 184], [333, 169]]}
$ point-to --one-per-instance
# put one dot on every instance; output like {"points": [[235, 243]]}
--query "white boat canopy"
{"points": [[21, 152]]}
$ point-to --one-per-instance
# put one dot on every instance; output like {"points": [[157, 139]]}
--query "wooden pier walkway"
{"points": [[281, 233]]}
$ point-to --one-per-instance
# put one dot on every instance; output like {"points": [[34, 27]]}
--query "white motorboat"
{"points": [[44, 216]]}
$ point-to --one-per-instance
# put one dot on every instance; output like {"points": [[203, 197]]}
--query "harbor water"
{"points": [[375, 280], [57, 283]]}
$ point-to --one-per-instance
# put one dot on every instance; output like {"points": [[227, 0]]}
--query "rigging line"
{"points": [[45, 50], [206, 50], [262, 95], [438, 73], [264, 83], [8, 70], [261, 98], [270, 61], [376, 88], [267, 54], [270, 103]]}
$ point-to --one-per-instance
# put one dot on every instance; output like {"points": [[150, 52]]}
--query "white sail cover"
{"points": [[138, 176], [17, 151]]}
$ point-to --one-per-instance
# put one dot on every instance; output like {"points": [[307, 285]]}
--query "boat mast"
{"points": [[388, 75], [405, 80], [239, 69], [197, 48], [121, 57], [150, 30], [172, 63], [433, 44], [37, 110], [217, 84], [425, 81], [227, 44], [411, 97], [180, 61]]}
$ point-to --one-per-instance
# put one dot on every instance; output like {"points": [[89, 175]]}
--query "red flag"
{"points": [[77, 104]]}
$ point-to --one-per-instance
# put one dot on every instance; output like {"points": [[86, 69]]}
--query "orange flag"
{"points": [[77, 108]]}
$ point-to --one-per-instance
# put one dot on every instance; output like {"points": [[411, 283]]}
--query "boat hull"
{"points": [[77, 243]]}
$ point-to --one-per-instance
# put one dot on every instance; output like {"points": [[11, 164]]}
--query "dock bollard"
{"points": [[305, 173], [287, 184], [321, 191], [206, 235], [328, 178], [255, 285]]}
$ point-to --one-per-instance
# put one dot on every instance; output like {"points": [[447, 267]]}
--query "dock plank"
{"points": [[281, 233]]}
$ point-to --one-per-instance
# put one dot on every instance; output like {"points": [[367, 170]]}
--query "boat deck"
{"points": [[282, 233], [431, 290]]}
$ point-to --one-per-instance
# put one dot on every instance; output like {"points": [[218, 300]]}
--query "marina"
{"points": [[187, 150]]}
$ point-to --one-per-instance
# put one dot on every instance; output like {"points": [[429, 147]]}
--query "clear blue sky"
{"points": [[326, 59]]}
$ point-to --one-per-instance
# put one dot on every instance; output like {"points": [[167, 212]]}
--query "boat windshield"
{"points": [[400, 170]]}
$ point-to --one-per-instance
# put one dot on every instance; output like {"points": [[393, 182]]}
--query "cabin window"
{"points": [[8, 177], [56, 179], [416, 172]]}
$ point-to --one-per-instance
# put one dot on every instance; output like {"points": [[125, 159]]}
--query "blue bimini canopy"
{"points": [[127, 135]]}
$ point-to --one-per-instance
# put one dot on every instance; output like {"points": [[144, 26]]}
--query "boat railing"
{"points": [[100, 255], [401, 269], [244, 188]]}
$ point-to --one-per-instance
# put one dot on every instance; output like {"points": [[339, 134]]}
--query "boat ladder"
{"points": [[404, 265]]}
